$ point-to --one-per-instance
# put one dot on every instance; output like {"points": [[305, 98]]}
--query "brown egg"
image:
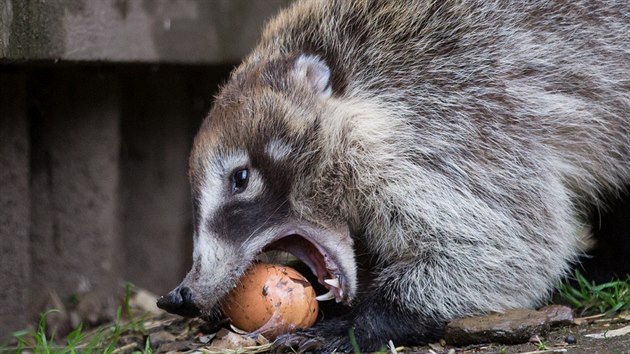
{"points": [[271, 300]]}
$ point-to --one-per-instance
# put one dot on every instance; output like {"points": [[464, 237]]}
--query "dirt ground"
{"points": [[191, 336], [555, 342], [168, 333]]}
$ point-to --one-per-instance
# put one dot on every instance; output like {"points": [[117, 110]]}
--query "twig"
{"points": [[580, 320], [561, 350], [125, 348]]}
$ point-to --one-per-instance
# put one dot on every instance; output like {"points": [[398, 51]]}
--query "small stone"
{"points": [[436, 347], [158, 338], [57, 319], [145, 301], [176, 346], [558, 315], [570, 339], [206, 339], [231, 341], [89, 308]]}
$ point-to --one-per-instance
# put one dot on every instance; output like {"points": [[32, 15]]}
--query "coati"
{"points": [[427, 160]]}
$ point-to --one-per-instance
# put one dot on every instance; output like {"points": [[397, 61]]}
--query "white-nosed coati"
{"points": [[430, 159]]}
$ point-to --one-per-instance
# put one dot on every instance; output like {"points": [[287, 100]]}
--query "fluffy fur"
{"points": [[459, 144]]}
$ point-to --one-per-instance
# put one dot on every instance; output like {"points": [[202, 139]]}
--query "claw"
{"points": [[309, 345]]}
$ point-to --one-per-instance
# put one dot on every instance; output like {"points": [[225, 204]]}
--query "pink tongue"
{"points": [[305, 251]]}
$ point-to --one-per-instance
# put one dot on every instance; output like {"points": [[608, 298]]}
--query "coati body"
{"points": [[431, 159]]}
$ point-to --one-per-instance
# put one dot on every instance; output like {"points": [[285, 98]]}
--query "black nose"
{"points": [[180, 302]]}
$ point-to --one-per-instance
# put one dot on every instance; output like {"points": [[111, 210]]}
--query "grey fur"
{"points": [[462, 147]]}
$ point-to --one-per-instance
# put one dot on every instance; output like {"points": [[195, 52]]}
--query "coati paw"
{"points": [[325, 338]]}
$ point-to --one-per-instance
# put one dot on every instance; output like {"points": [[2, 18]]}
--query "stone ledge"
{"points": [[165, 31]]}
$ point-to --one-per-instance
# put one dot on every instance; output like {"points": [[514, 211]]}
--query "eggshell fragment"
{"points": [[271, 300]]}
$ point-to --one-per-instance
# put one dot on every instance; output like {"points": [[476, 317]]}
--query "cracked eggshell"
{"points": [[271, 300]]}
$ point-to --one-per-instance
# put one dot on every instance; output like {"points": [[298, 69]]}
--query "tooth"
{"points": [[333, 282], [328, 296]]}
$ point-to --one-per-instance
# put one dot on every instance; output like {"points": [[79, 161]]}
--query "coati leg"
{"points": [[372, 323]]}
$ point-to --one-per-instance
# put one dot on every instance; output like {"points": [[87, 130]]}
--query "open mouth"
{"points": [[320, 261]]}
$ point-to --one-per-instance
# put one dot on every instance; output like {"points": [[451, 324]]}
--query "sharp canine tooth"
{"points": [[328, 296], [333, 282]]}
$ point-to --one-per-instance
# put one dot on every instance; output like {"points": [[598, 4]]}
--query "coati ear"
{"points": [[315, 72]]}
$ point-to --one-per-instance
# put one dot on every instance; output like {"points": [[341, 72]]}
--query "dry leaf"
{"points": [[609, 334]]}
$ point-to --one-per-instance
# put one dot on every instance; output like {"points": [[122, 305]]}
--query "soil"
{"points": [[556, 342], [193, 335], [174, 334]]}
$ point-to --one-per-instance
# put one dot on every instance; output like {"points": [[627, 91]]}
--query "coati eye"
{"points": [[239, 180]]}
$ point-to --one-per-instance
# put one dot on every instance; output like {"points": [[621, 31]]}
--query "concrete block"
{"points": [[14, 204], [156, 214], [75, 179]]}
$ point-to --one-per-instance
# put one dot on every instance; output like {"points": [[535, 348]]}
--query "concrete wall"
{"points": [[14, 203], [75, 179], [93, 184], [99, 103], [165, 31]]}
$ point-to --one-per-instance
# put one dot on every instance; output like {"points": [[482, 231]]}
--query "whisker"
{"points": [[261, 225]]}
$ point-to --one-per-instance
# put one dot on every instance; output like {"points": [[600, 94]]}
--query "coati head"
{"points": [[264, 177]]}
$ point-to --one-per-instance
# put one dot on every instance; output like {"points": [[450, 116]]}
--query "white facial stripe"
{"points": [[216, 183], [255, 186], [229, 162], [278, 150], [211, 192], [208, 250]]}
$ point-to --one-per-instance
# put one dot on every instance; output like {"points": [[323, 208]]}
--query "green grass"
{"points": [[101, 340], [355, 346], [353, 341], [586, 297], [590, 298]]}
